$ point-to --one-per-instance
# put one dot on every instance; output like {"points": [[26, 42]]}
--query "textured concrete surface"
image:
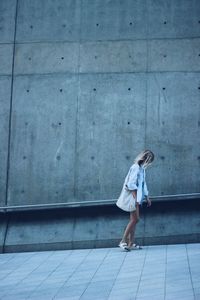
{"points": [[92, 84], [7, 20], [5, 85], [43, 123], [100, 226], [155, 272]]}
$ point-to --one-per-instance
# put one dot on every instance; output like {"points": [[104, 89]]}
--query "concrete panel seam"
{"points": [[147, 68], [103, 40], [10, 113], [77, 109], [105, 73]]}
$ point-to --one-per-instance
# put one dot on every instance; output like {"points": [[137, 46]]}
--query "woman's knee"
{"points": [[134, 221], [137, 220]]}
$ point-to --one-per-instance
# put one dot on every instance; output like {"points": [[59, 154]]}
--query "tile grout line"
{"points": [[141, 272], [165, 271], [35, 253], [76, 268], [95, 272], [18, 267], [33, 269], [117, 275], [189, 270], [8, 260], [69, 254]]}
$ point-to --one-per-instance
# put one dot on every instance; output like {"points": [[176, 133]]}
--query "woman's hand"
{"points": [[148, 202]]}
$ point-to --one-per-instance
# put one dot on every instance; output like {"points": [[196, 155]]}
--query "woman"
{"points": [[136, 183]]}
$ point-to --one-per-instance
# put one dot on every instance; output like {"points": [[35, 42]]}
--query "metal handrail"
{"points": [[92, 203]]}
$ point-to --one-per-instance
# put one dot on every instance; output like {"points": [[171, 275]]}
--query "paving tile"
{"points": [[154, 297], [197, 290], [126, 285], [71, 291], [100, 274], [182, 297], [120, 297], [123, 293]]}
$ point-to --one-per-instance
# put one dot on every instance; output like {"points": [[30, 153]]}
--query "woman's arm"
{"points": [[146, 192]]}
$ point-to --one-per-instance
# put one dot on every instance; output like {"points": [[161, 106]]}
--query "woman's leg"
{"points": [[132, 232], [130, 228]]}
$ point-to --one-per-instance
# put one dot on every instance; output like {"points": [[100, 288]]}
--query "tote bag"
{"points": [[126, 201]]}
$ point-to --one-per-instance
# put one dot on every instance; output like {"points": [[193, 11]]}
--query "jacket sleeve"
{"points": [[132, 182], [146, 192]]}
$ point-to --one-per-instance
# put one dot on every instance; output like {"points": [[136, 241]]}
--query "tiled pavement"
{"points": [[156, 272]]}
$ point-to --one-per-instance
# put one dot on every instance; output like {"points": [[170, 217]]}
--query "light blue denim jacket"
{"points": [[135, 180]]}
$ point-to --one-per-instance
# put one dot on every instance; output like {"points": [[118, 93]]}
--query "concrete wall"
{"points": [[85, 85], [167, 222]]}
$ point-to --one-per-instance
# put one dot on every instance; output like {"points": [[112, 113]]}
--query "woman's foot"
{"points": [[124, 246], [135, 247]]}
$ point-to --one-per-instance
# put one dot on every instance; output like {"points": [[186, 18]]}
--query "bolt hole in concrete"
{"points": [[27, 91], [94, 90], [128, 122], [29, 58], [97, 24], [61, 90], [59, 123], [62, 57], [163, 88], [24, 157], [129, 89], [130, 23], [92, 157], [58, 157], [31, 26], [198, 157], [164, 22]]}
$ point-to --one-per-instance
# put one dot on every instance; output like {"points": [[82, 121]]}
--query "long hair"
{"points": [[145, 158]]}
